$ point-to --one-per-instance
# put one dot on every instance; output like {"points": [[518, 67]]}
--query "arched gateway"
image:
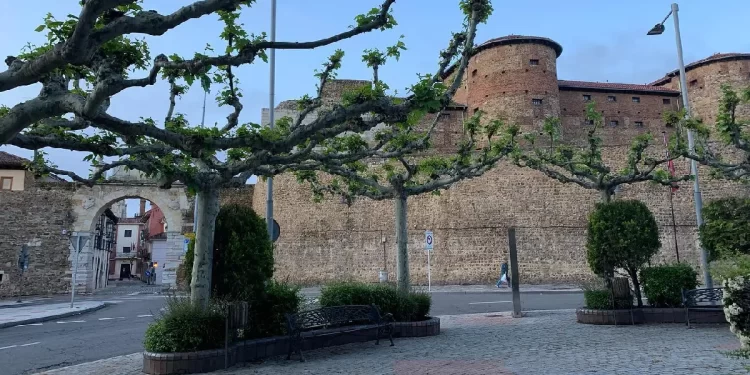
{"points": [[90, 202]]}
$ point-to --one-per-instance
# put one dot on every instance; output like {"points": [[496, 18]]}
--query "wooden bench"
{"points": [[336, 320], [707, 299]]}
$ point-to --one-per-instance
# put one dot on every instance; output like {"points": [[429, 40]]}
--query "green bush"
{"points": [[243, 255], [730, 267], [405, 306], [186, 268], [598, 299], [267, 315], [622, 234], [726, 229], [663, 285], [184, 327]]}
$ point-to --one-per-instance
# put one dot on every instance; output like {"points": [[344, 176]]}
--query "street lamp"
{"points": [[658, 29]]}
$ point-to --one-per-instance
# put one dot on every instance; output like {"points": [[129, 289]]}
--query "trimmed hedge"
{"points": [[663, 285], [184, 327], [598, 299], [405, 306], [267, 315]]}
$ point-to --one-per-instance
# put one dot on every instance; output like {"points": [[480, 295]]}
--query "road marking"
{"points": [[482, 303], [29, 344], [106, 318], [114, 301], [133, 294], [72, 321], [144, 316], [8, 347], [34, 324], [120, 317]]}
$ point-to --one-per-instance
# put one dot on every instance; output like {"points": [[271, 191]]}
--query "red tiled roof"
{"points": [[614, 87], [10, 161], [713, 58]]}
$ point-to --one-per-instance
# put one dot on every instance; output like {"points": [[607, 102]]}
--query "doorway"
{"points": [[124, 271]]}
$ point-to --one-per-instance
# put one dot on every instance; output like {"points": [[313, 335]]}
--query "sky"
{"points": [[602, 41]]}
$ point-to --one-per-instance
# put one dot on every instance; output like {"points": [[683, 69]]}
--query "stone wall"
{"points": [[36, 216]]}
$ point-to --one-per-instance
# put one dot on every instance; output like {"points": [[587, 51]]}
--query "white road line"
{"points": [[144, 316], [120, 317], [71, 321], [8, 347], [133, 294], [34, 324], [29, 344], [482, 303], [106, 318], [114, 301]]}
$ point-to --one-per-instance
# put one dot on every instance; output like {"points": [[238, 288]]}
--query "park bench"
{"points": [[337, 320], [707, 299]]}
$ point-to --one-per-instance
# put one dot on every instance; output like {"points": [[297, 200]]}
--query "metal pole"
{"points": [[272, 63], [429, 274], [76, 250], [691, 146], [514, 279]]}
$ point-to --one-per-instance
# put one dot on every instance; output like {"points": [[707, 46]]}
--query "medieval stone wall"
{"points": [[35, 216], [327, 241]]}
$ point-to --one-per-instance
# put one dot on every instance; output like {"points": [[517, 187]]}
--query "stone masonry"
{"points": [[512, 78]]}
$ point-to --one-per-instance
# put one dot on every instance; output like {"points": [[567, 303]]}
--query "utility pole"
{"points": [[697, 198], [272, 63]]}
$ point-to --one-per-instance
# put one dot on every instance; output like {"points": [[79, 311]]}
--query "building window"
{"points": [[613, 123], [476, 110], [126, 249], [536, 101], [693, 82], [639, 124], [636, 99], [128, 233], [534, 62], [611, 98], [588, 122], [666, 101], [6, 183], [473, 72], [586, 98]]}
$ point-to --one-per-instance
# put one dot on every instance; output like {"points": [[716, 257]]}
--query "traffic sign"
{"points": [[428, 240], [185, 244], [276, 231]]}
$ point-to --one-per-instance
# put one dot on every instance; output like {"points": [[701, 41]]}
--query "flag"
{"points": [[670, 164]]}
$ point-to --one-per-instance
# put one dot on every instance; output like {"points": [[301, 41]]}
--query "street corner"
{"points": [[42, 313]]}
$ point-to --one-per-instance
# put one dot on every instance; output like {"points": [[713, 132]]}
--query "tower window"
{"points": [[586, 98], [639, 124], [695, 82], [636, 99], [534, 62], [473, 72], [536, 101], [611, 98], [588, 122], [476, 110], [666, 101], [613, 123]]}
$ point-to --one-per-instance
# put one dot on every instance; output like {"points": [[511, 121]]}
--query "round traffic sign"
{"points": [[429, 240]]}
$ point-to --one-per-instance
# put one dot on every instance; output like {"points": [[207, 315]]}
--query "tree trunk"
{"points": [[402, 252], [200, 285], [606, 196], [636, 285]]}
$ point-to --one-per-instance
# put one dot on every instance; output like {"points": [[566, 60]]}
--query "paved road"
{"points": [[115, 330], [118, 329]]}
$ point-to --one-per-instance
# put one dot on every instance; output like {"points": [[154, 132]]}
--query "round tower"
{"points": [[514, 78]]}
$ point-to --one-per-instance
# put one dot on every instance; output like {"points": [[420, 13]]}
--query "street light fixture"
{"points": [[658, 29]]}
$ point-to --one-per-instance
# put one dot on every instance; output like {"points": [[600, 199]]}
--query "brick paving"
{"points": [[540, 343]]}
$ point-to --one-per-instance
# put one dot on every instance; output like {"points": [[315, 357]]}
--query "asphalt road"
{"points": [[118, 329]]}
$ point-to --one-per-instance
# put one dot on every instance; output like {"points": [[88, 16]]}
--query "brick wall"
{"points": [[36, 216]]}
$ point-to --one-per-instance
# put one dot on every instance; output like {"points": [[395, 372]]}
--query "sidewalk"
{"points": [[39, 313], [524, 288]]}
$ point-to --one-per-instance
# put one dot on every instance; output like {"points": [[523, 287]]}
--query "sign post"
{"points": [[77, 243], [23, 265], [428, 242]]}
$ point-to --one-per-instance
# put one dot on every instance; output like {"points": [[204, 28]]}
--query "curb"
{"points": [[558, 291], [52, 317]]}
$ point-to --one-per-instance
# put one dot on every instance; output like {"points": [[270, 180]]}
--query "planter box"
{"points": [[253, 350], [647, 315]]}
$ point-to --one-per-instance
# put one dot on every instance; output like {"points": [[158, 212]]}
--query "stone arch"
{"points": [[90, 202]]}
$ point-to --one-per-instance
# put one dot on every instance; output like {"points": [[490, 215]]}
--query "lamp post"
{"points": [[658, 29], [272, 87]]}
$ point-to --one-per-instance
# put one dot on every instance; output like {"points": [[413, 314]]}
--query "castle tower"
{"points": [[513, 78]]}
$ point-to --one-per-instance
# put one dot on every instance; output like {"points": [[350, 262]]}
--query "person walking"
{"points": [[503, 276]]}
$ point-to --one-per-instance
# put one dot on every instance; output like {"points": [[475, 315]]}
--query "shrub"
{"points": [[405, 306], [267, 317], [243, 255], [599, 299], [726, 229], [731, 267], [621, 234], [185, 270], [184, 327], [663, 285]]}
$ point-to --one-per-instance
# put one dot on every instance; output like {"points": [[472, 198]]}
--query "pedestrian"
{"points": [[503, 276]]}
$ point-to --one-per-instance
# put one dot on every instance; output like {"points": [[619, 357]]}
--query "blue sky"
{"points": [[602, 41]]}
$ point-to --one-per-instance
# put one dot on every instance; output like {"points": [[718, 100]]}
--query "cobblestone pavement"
{"points": [[541, 343]]}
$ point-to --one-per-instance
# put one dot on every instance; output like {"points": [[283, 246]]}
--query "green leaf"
{"points": [[40, 28]]}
